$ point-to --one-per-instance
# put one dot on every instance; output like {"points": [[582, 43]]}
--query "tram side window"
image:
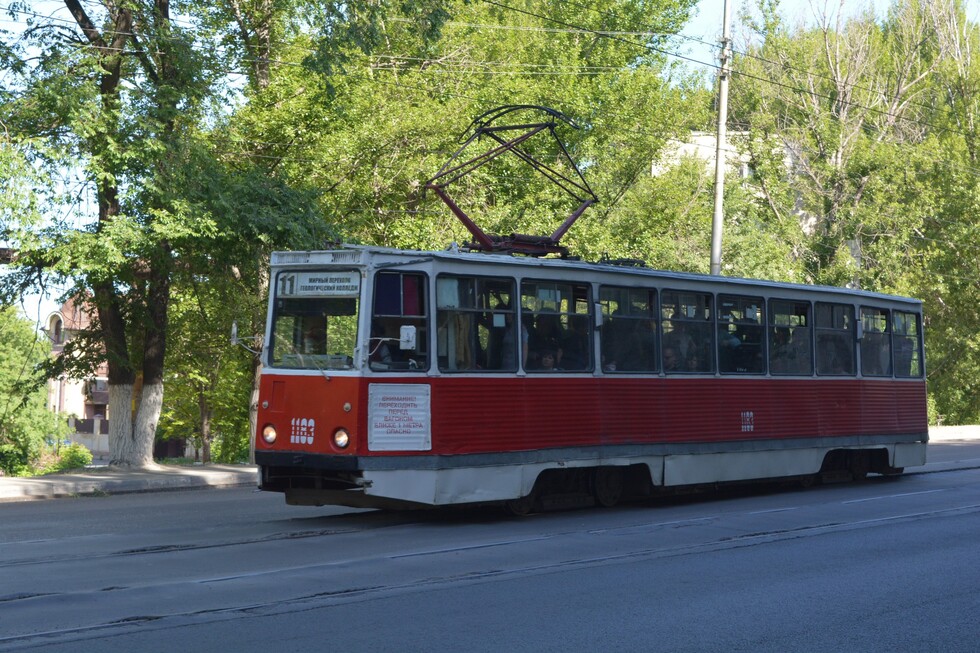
{"points": [[688, 336], [907, 344], [628, 339], [559, 325], [790, 338], [399, 300], [740, 343], [835, 339], [876, 342], [477, 324]]}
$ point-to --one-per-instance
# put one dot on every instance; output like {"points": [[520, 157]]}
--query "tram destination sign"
{"points": [[335, 283]]}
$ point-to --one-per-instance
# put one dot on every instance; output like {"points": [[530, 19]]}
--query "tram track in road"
{"points": [[147, 621], [384, 521], [377, 521], [163, 548], [388, 521]]}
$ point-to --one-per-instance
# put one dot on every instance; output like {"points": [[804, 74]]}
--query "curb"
{"points": [[105, 481], [110, 482]]}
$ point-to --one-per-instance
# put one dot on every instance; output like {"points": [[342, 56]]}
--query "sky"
{"points": [[707, 24]]}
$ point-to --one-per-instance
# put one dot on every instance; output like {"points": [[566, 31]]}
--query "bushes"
{"points": [[73, 456], [52, 460], [25, 421], [13, 461]]}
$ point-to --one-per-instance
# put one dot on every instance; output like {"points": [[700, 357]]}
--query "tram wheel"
{"points": [[607, 485], [808, 480], [520, 507], [860, 465]]}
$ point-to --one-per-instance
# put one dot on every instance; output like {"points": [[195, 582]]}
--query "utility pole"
{"points": [[723, 72]]}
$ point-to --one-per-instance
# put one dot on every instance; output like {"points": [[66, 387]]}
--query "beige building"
{"points": [[703, 146], [85, 401]]}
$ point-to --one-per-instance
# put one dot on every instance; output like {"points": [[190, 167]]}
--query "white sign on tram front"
{"points": [[399, 417], [344, 283]]}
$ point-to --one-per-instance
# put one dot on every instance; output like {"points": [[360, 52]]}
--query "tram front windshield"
{"points": [[314, 322]]}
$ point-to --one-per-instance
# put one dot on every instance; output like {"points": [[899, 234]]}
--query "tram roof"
{"points": [[371, 254]]}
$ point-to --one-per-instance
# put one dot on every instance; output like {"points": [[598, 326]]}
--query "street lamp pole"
{"points": [[723, 73]]}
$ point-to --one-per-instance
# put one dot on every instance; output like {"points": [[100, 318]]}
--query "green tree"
{"points": [[840, 100], [25, 422], [125, 97], [878, 118], [115, 97], [223, 281], [211, 377], [394, 84], [950, 231], [264, 39], [395, 93]]}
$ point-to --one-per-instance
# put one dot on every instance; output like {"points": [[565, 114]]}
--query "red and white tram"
{"points": [[403, 378]]}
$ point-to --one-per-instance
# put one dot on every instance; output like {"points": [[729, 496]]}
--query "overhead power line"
{"points": [[565, 27]]}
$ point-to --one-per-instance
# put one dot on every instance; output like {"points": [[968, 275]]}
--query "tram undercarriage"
{"points": [[573, 482]]}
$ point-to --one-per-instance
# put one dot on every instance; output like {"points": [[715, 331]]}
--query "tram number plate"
{"points": [[748, 421]]}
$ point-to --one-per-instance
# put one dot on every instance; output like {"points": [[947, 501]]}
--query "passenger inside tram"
{"points": [[575, 344], [379, 353], [546, 361]]}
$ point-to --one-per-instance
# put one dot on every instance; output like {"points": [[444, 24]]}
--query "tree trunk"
{"points": [[145, 425], [205, 413], [127, 447]]}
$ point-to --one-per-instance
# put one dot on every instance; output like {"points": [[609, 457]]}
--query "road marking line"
{"points": [[634, 527], [892, 496], [766, 512]]}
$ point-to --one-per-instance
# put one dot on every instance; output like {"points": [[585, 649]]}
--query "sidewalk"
{"points": [[947, 433], [98, 481]]}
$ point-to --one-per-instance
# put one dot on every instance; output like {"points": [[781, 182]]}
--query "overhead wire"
{"points": [[570, 28], [566, 28], [748, 54], [618, 36], [648, 47]]}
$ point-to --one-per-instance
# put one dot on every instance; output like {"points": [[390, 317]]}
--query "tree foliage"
{"points": [[392, 99], [878, 117], [25, 423], [248, 125], [126, 95], [210, 378]]}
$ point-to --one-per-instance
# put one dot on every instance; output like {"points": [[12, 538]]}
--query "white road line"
{"points": [[892, 496], [638, 527], [766, 512]]}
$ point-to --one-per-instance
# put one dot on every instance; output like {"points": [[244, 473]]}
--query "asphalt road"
{"points": [[883, 565]]}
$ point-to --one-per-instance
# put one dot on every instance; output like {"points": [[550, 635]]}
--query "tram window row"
{"points": [[486, 324]]}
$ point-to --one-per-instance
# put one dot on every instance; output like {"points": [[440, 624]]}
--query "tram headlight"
{"points": [[269, 433], [341, 438]]}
